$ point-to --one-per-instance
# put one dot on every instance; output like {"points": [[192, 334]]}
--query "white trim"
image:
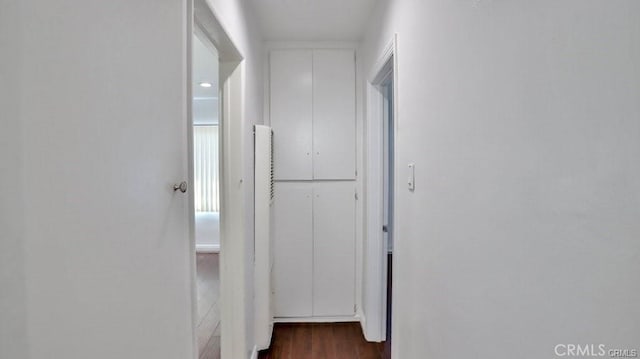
{"points": [[310, 45], [206, 23], [207, 248], [377, 74], [232, 237], [337, 319], [375, 253], [263, 256], [188, 91], [254, 353]]}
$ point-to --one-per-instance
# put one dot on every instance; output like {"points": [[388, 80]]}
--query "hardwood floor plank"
{"points": [[365, 350], [343, 338], [208, 282], [301, 341], [212, 349], [208, 290], [282, 341], [208, 326], [320, 341]]}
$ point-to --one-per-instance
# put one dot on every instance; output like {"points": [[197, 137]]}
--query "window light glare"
{"points": [[205, 84]]}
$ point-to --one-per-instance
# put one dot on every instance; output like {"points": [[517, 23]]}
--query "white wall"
{"points": [[13, 331], [242, 26], [522, 118], [207, 231]]}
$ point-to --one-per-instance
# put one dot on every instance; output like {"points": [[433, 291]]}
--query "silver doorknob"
{"points": [[182, 186]]}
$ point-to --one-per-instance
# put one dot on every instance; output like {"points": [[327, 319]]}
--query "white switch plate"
{"points": [[412, 177]]}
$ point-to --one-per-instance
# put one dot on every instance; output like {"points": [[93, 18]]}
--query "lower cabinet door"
{"points": [[293, 249], [333, 248]]}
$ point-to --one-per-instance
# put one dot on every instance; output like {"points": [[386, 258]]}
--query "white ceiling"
{"points": [[313, 20], [205, 69]]}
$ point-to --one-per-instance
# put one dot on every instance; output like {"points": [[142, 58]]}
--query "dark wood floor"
{"points": [[321, 341], [290, 341], [208, 329]]}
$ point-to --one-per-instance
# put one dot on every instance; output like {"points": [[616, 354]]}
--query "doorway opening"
{"points": [[381, 178], [215, 70], [206, 192], [387, 190]]}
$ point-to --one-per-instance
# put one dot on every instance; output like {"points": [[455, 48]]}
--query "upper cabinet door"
{"points": [[291, 113], [334, 114]]}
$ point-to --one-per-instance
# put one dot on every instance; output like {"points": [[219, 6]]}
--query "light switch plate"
{"points": [[412, 177]]}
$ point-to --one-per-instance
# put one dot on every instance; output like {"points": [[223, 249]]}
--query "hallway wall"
{"points": [[243, 28], [13, 331], [522, 120], [207, 231]]}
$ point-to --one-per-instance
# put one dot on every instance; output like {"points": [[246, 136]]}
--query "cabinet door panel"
{"points": [[291, 113], [334, 249], [334, 114], [293, 249]]}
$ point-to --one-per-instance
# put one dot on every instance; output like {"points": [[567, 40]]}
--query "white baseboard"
{"points": [[254, 353], [338, 319], [207, 248]]}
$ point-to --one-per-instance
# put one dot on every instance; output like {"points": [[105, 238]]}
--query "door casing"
{"points": [[375, 249], [233, 293]]}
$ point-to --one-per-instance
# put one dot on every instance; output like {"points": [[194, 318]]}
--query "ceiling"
{"points": [[205, 69], [313, 20]]}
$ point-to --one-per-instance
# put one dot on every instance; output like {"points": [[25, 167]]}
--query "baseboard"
{"points": [[338, 319], [207, 248], [254, 353]]}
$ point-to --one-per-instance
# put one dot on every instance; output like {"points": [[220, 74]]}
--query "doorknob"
{"points": [[182, 186]]}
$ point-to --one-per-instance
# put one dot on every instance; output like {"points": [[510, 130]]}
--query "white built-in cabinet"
{"points": [[314, 249], [312, 112], [291, 108], [333, 248], [334, 114], [293, 249]]}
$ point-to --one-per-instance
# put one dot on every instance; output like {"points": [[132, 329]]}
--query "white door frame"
{"points": [[375, 248], [232, 244]]}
